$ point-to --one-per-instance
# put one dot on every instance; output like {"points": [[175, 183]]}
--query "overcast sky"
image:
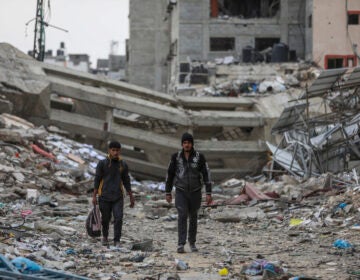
{"points": [[92, 25]]}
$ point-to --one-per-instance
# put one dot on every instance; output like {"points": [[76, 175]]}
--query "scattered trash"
{"points": [[342, 244], [223, 272], [181, 265], [145, 245]]}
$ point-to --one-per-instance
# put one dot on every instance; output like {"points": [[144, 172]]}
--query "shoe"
{"points": [[105, 241], [180, 249], [117, 244], [193, 248]]}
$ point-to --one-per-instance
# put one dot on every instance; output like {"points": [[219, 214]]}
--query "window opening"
{"points": [[222, 44], [353, 17], [333, 63], [245, 8]]}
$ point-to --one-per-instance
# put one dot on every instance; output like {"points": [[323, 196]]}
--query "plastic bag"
{"points": [[93, 222], [25, 265]]}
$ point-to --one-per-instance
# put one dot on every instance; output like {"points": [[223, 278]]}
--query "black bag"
{"points": [[93, 222]]}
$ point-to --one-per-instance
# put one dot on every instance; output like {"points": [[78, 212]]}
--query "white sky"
{"points": [[92, 25]]}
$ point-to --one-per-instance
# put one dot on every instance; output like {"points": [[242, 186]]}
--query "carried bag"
{"points": [[93, 222]]}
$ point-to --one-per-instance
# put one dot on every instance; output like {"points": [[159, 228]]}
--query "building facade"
{"points": [[148, 45], [163, 39], [333, 32]]}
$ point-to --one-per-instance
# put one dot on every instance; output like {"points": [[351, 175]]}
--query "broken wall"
{"points": [[198, 29], [149, 44]]}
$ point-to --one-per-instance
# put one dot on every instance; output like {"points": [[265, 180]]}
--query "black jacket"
{"points": [[188, 175], [110, 179]]}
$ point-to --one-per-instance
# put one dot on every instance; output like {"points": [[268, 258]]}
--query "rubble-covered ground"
{"points": [[255, 230]]}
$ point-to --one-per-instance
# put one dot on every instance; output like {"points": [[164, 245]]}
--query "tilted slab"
{"points": [[99, 81], [147, 139], [102, 96], [58, 73], [154, 110]]}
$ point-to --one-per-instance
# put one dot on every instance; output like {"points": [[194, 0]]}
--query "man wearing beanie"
{"points": [[111, 180], [187, 171]]}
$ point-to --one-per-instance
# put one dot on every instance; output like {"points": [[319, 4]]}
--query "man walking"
{"points": [[112, 175], [187, 171]]}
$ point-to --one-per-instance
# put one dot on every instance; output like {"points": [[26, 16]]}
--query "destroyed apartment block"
{"points": [[230, 131], [328, 141]]}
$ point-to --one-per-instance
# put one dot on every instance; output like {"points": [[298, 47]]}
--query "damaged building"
{"points": [[333, 33], [168, 36], [165, 36]]}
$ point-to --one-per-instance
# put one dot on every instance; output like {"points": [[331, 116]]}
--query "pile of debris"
{"points": [[328, 141], [227, 77], [283, 229]]}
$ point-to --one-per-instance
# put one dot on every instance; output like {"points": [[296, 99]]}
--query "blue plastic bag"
{"points": [[342, 244], [25, 265]]}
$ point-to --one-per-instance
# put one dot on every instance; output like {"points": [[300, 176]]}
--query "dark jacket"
{"points": [[110, 179], [188, 175]]}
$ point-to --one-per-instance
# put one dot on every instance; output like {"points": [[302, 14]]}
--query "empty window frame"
{"points": [[222, 44], [353, 17], [340, 61], [244, 8]]}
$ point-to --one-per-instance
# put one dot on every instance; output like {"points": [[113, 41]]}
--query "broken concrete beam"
{"points": [[226, 118], [148, 139], [215, 103], [56, 73], [101, 96]]}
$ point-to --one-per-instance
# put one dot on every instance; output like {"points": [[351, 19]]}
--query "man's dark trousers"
{"points": [[187, 205], [116, 208]]}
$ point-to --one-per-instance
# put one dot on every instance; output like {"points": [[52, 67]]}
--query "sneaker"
{"points": [[105, 241], [193, 248], [180, 249], [117, 244]]}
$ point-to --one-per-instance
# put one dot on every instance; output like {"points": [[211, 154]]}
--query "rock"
{"points": [[236, 215]]}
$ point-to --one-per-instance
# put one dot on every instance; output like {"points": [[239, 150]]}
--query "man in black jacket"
{"points": [[111, 180], [187, 171]]}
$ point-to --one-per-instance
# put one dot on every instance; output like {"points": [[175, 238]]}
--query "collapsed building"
{"points": [[188, 48], [149, 124]]}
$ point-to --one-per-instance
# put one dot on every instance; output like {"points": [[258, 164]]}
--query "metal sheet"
{"points": [[354, 78], [288, 118], [325, 82], [286, 160]]}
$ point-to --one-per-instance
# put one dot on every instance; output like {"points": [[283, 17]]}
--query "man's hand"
{"points": [[168, 197], [208, 199], [94, 200], [132, 200]]}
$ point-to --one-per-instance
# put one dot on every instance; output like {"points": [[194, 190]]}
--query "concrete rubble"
{"points": [[256, 229], [227, 77]]}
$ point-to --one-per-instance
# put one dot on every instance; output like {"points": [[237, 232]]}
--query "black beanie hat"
{"points": [[187, 137], [114, 144]]}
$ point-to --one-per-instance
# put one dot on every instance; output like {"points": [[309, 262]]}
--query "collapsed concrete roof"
{"points": [[230, 131]]}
